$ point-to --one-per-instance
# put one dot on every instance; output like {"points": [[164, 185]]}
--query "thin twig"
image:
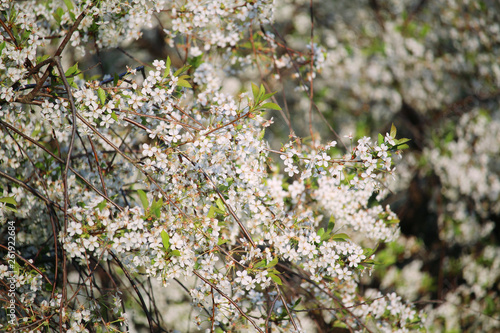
{"points": [[230, 301], [242, 227], [131, 280]]}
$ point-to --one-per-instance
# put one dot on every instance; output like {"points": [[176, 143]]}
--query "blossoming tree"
{"points": [[157, 177]]}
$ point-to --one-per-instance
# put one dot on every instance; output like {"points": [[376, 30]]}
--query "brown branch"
{"points": [[131, 280], [230, 301], [60, 161], [242, 227]]}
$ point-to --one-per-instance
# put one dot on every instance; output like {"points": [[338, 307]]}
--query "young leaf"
{"points": [[394, 221], [72, 70], [331, 224], [165, 239], [266, 96], [368, 252], [272, 106], [275, 279], [167, 70], [262, 92], [176, 253], [255, 92], [214, 211], [222, 241], [58, 15], [144, 199], [273, 263], [260, 264], [393, 131], [180, 70], [10, 204], [297, 302], [9, 200], [102, 95], [403, 140], [183, 83], [101, 205], [340, 237], [156, 207], [261, 134], [69, 4], [220, 204]]}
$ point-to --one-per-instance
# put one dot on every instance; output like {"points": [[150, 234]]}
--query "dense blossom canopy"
{"points": [[165, 181]]}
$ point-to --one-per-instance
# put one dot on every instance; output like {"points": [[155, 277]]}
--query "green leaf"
{"points": [[165, 239], [211, 212], [214, 211], [339, 323], [36, 130], [102, 95], [369, 262], [393, 131], [261, 134], [273, 263], [340, 237], [177, 72], [180, 70], [144, 199], [272, 106], [195, 62], [156, 207], [262, 92], [266, 96], [169, 63], [68, 4], [58, 15], [403, 140], [114, 116], [297, 302], [380, 139], [101, 205], [72, 70], [9, 200], [261, 263], [368, 252], [183, 83], [221, 205], [2, 46], [116, 78], [38, 59], [331, 224], [222, 241], [320, 232], [275, 279], [255, 92], [394, 221], [72, 83], [10, 208], [176, 253]]}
